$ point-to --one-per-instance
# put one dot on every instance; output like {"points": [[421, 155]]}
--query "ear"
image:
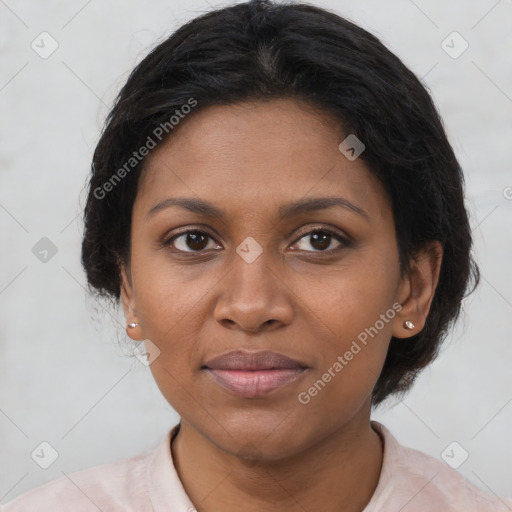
{"points": [[128, 301], [417, 289]]}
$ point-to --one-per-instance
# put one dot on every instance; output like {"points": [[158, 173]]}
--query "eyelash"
{"points": [[344, 241]]}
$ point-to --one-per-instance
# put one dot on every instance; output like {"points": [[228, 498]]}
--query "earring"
{"points": [[409, 325], [133, 324]]}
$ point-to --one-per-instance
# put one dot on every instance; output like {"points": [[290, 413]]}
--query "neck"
{"points": [[339, 472]]}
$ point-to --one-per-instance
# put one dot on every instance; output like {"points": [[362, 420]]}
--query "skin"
{"points": [[272, 452]]}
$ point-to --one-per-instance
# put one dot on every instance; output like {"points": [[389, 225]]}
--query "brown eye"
{"points": [[320, 240], [191, 241]]}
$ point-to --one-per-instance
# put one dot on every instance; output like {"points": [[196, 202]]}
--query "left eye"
{"points": [[320, 240]]}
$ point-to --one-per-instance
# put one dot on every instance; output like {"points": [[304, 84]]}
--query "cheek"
{"points": [[171, 309], [172, 377], [168, 300], [350, 366], [351, 297], [356, 317]]}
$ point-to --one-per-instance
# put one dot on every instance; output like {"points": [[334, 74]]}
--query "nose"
{"points": [[252, 297]]}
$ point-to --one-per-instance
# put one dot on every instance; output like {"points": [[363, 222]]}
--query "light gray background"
{"points": [[64, 377]]}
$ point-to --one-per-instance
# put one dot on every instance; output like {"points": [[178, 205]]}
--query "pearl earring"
{"points": [[409, 325], [133, 324]]}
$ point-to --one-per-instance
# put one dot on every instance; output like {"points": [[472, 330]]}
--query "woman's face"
{"points": [[270, 270]]}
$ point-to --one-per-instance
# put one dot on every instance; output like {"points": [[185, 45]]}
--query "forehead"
{"points": [[253, 154]]}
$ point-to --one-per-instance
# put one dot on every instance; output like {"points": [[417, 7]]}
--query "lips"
{"points": [[263, 360], [253, 374]]}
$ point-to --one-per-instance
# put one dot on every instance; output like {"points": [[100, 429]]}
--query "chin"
{"points": [[261, 440]]}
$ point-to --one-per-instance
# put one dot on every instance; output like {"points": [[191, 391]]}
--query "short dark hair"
{"points": [[260, 50]]}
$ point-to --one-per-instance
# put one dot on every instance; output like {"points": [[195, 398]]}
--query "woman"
{"points": [[276, 205]]}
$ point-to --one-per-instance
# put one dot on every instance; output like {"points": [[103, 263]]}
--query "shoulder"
{"points": [[419, 482], [119, 485]]}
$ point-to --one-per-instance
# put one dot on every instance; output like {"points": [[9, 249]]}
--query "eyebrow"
{"points": [[206, 208]]}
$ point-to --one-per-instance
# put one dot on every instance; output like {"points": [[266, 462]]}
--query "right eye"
{"points": [[191, 241]]}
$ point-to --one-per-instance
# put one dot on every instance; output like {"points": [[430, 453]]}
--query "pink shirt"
{"points": [[410, 481]]}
